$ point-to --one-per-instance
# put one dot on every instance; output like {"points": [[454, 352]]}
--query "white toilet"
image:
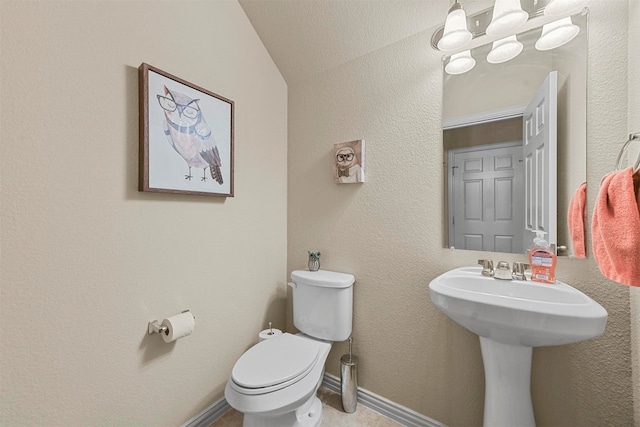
{"points": [[274, 383]]}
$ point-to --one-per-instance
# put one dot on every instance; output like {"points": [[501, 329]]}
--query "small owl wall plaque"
{"points": [[348, 164]]}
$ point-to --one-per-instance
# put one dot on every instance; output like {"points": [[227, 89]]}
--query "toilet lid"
{"points": [[274, 361]]}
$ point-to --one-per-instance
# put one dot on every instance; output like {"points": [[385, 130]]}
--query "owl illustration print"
{"points": [[349, 162], [189, 134]]}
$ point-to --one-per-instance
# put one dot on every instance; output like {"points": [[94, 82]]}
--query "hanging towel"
{"points": [[577, 219], [615, 229], [636, 186]]}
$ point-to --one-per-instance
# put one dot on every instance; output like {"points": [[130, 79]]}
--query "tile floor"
{"points": [[333, 415]]}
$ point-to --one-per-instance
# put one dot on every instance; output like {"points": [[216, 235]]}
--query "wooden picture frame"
{"points": [[186, 136]]}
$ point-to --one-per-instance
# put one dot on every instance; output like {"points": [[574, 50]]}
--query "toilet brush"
{"points": [[349, 380]]}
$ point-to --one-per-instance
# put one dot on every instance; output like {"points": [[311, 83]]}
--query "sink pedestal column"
{"points": [[507, 395]]}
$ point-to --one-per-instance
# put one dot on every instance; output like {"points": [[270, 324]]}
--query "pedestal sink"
{"points": [[511, 317]]}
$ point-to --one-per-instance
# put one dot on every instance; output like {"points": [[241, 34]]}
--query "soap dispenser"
{"points": [[542, 260]]}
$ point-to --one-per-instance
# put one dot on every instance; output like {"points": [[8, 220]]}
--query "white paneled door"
{"points": [[539, 135], [487, 194], [500, 194]]}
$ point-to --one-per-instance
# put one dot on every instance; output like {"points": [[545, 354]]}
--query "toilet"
{"points": [[275, 382]]}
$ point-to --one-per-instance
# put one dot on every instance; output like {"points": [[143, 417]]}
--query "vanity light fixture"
{"points": [[507, 17], [500, 25], [557, 33], [460, 63], [564, 7], [455, 34], [504, 50]]}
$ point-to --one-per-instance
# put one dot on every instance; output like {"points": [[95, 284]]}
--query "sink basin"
{"points": [[517, 312], [511, 317]]}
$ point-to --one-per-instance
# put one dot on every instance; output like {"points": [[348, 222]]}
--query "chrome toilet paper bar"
{"points": [[155, 327]]}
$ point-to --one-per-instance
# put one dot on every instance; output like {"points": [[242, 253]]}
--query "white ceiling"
{"points": [[307, 37]]}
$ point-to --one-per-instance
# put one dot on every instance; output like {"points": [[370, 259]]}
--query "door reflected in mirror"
{"points": [[515, 146]]}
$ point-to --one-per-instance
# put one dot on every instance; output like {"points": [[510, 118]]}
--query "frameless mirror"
{"points": [[497, 191]]}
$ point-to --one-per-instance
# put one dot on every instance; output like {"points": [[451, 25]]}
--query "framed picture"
{"points": [[348, 165], [186, 137]]}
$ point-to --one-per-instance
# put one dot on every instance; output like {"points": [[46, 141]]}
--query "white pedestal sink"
{"points": [[511, 317]]}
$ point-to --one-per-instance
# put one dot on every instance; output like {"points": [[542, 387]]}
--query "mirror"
{"points": [[486, 168]]}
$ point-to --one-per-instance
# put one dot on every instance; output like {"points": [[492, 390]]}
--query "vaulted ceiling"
{"points": [[307, 37]]}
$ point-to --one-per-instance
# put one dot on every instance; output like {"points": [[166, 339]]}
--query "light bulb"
{"points": [[504, 50], [460, 63], [557, 33], [564, 7], [455, 34], [507, 17]]}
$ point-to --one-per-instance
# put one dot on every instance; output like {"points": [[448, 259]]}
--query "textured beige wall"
{"points": [[388, 232], [87, 260], [633, 127]]}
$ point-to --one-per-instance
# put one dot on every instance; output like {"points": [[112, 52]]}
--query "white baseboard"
{"points": [[389, 409], [209, 415]]}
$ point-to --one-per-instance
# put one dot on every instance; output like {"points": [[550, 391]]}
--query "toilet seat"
{"points": [[274, 364]]}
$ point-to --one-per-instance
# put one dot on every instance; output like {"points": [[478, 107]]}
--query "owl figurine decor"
{"points": [[348, 162], [186, 139]]}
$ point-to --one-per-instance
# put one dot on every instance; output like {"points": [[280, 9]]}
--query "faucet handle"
{"points": [[503, 271], [487, 267], [502, 265], [518, 270]]}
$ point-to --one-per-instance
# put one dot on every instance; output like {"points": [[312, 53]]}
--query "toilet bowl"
{"points": [[275, 382]]}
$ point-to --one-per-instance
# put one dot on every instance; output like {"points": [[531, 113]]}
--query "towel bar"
{"points": [[632, 137]]}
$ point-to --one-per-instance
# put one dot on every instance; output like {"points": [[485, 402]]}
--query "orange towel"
{"points": [[636, 185], [577, 219], [616, 229]]}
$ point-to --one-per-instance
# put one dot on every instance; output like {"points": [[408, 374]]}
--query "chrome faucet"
{"points": [[487, 267], [517, 273], [503, 271]]}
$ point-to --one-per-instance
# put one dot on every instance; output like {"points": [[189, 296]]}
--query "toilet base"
{"points": [[307, 415]]}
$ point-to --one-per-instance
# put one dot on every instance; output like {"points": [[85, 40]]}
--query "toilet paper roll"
{"points": [[268, 333], [178, 326]]}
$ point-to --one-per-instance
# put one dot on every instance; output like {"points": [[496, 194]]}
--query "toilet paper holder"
{"points": [[156, 327]]}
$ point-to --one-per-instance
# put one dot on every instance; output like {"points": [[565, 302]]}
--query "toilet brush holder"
{"points": [[349, 380]]}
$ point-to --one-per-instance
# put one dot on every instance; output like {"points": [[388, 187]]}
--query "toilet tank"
{"points": [[323, 303]]}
